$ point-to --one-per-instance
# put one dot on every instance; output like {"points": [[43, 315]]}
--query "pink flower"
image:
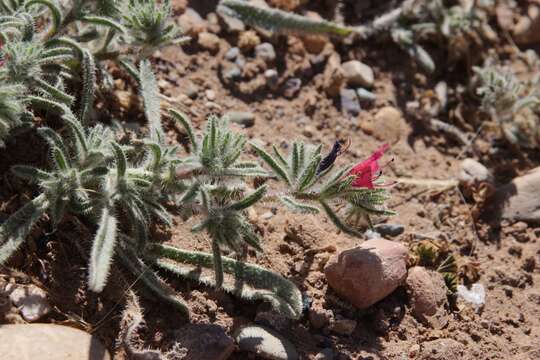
{"points": [[368, 170]]}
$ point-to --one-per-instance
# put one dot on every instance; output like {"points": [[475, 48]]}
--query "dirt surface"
{"points": [[501, 256]]}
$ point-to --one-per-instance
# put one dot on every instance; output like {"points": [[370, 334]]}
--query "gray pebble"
{"points": [[247, 119], [232, 54], [292, 87], [266, 52], [349, 102], [390, 229]]}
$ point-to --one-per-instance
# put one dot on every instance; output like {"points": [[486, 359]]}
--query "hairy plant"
{"points": [[12, 108], [511, 103], [124, 186], [148, 24], [462, 27]]}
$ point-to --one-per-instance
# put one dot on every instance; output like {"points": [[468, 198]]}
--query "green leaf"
{"points": [[248, 281], [56, 13], [150, 95], [139, 269], [30, 173], [121, 161], [249, 200], [268, 159], [103, 21], [102, 251], [298, 207], [339, 224], [89, 80], [55, 92], [183, 119], [279, 156], [15, 229], [308, 175]]}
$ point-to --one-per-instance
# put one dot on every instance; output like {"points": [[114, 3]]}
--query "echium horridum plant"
{"points": [[511, 102], [126, 185]]}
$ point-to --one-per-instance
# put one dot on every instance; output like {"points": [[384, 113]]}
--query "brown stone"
{"points": [[49, 342], [368, 273], [427, 292], [388, 125]]}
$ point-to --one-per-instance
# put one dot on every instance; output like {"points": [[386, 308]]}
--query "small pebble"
{"points": [[210, 95], [244, 118], [266, 52], [349, 102], [271, 76], [390, 229], [232, 53], [358, 74], [234, 73], [292, 87], [365, 95]]}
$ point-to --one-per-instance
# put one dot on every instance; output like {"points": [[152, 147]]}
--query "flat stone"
{"points": [[368, 273], [232, 24], [358, 74], [292, 88], [266, 343], [49, 342]]}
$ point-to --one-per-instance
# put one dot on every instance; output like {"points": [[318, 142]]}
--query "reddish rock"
{"points": [[427, 292], [368, 273]]}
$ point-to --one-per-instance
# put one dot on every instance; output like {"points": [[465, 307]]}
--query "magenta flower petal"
{"points": [[368, 170]]}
